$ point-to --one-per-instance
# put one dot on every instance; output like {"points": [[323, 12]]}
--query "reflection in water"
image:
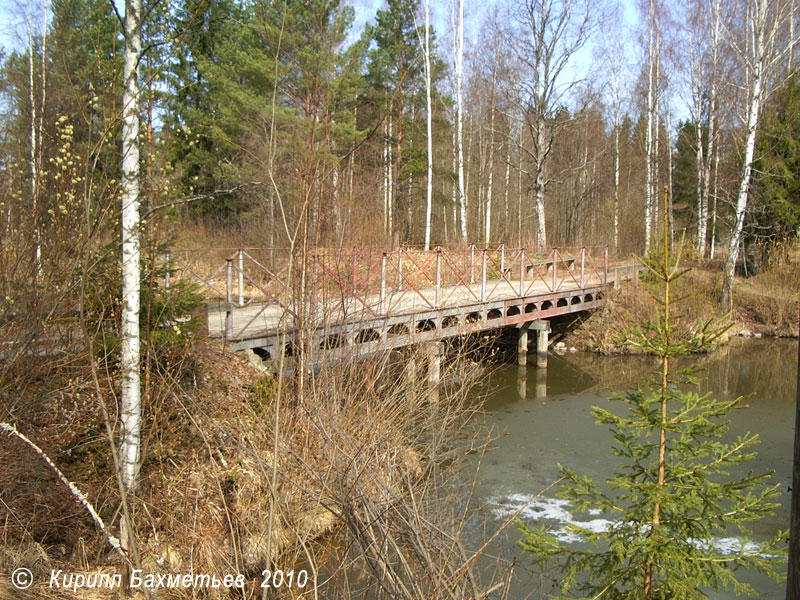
{"points": [[555, 426]]}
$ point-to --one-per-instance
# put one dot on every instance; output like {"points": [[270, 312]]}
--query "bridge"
{"points": [[350, 303]]}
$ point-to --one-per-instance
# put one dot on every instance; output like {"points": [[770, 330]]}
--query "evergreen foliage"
{"points": [[672, 495], [777, 189]]}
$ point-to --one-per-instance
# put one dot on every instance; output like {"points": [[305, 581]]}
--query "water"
{"points": [[544, 420]]}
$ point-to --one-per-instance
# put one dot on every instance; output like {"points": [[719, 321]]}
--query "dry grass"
{"points": [[769, 302], [364, 495], [766, 304]]}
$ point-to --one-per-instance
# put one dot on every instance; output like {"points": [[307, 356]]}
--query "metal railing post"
{"points": [[167, 266], [383, 283], [228, 298], [400, 269], [472, 263], [522, 272], [605, 265], [240, 277], [438, 300], [583, 264], [555, 269], [483, 276]]}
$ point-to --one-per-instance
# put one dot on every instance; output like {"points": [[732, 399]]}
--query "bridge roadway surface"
{"points": [[355, 327]]}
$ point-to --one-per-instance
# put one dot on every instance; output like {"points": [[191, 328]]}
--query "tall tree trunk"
{"points": [[541, 230], [648, 200], [131, 404], [758, 66], [714, 206], [458, 47], [657, 140], [488, 224], [454, 197], [385, 177], [390, 180], [616, 178], [429, 107], [712, 125], [34, 139], [519, 188], [506, 189]]}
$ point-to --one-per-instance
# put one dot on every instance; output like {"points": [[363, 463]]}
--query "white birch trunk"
{"points": [[131, 404], [390, 180], [648, 199], [519, 188], [488, 224], [458, 47], [670, 213], [386, 162], [698, 89], [454, 188], [429, 119], [790, 49], [713, 147], [541, 229], [616, 178], [713, 250], [656, 193], [758, 65], [34, 150], [506, 189]]}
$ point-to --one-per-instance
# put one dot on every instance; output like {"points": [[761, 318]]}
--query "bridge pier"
{"points": [[522, 344], [434, 352]]}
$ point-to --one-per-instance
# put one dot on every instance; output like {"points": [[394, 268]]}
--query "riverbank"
{"points": [[765, 305], [350, 481]]}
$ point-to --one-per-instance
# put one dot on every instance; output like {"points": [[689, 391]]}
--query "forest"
{"points": [[132, 129]]}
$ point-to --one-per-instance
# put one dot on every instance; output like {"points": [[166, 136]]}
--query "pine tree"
{"points": [[672, 495]]}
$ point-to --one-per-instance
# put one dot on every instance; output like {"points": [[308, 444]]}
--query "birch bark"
{"points": [[648, 198], [756, 64], [131, 404], [429, 106], [458, 51]]}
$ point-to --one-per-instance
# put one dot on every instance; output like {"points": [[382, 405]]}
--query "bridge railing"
{"points": [[338, 283]]}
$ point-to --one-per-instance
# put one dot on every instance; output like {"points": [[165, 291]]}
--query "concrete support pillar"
{"points": [[434, 351], [522, 382], [541, 347], [522, 344]]}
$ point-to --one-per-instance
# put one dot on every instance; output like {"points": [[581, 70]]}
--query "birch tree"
{"points": [[547, 34], [426, 51], [458, 58], [37, 124], [614, 56], [759, 55], [488, 220], [649, 143], [131, 404]]}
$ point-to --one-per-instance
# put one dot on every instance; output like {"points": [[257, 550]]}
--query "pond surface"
{"points": [[543, 418]]}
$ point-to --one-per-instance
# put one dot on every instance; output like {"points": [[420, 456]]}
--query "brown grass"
{"points": [[766, 304], [365, 467]]}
